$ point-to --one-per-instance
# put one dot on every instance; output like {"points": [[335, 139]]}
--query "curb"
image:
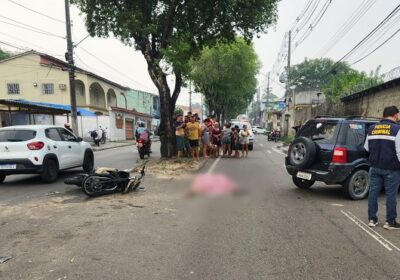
{"points": [[95, 149], [201, 165]]}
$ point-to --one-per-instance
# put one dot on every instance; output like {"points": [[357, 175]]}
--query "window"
{"points": [[323, 132], [353, 134], [66, 135], [53, 134], [16, 135], [13, 88], [48, 88]]}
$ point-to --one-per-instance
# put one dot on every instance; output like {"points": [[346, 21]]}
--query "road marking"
{"points": [[337, 205], [269, 152], [213, 165], [378, 234], [278, 151], [384, 242], [261, 145]]}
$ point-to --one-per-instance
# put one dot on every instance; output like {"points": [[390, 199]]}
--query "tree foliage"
{"points": [[349, 83], [312, 74], [317, 74], [4, 55], [170, 32], [226, 75], [178, 110]]}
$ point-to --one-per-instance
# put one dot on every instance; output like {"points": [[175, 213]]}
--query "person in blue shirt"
{"points": [[383, 145]]}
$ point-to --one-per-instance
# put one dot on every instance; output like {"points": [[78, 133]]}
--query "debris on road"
{"points": [[3, 259], [52, 193]]}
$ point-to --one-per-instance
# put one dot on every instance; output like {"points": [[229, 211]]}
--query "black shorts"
{"points": [[194, 143]]}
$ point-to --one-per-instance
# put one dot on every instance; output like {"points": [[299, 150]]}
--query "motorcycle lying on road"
{"points": [[107, 180]]}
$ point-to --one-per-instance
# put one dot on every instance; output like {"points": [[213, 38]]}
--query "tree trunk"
{"points": [[167, 103]]}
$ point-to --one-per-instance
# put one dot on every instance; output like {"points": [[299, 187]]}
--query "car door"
{"points": [[74, 155], [57, 146]]}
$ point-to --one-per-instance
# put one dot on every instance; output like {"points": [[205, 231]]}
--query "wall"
{"points": [[30, 75]]}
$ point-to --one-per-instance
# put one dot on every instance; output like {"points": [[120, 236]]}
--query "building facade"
{"points": [[39, 77]]}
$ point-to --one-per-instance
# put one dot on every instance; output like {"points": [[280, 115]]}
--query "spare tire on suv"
{"points": [[302, 152]]}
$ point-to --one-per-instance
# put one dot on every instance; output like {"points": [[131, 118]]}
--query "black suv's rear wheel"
{"points": [[356, 186], [301, 183], [302, 152]]}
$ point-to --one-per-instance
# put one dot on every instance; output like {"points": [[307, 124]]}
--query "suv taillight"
{"points": [[35, 145], [339, 155]]}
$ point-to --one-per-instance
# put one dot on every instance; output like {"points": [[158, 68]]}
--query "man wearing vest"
{"points": [[383, 145]]}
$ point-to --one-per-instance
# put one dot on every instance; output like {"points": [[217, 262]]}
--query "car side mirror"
{"points": [[79, 139]]}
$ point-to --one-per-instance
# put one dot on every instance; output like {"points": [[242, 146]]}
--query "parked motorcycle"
{"points": [[103, 138], [143, 147], [274, 136], [106, 180]]}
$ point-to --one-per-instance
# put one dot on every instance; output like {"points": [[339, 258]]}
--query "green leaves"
{"points": [[4, 55], [316, 74], [226, 74]]}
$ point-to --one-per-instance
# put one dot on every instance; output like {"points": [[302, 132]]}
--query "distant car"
{"points": [[42, 149], [259, 130], [251, 134]]}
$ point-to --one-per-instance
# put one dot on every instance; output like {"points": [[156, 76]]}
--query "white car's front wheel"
{"points": [[2, 178]]}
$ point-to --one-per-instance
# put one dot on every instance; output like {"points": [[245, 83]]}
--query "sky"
{"points": [[109, 58]]}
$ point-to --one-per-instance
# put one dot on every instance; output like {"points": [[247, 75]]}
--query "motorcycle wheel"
{"points": [[93, 185], [141, 153], [103, 141]]}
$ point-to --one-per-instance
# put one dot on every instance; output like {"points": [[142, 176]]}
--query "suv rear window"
{"points": [[324, 132], [16, 135], [352, 134]]}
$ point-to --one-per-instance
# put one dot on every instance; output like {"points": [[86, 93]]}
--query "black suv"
{"points": [[331, 150]]}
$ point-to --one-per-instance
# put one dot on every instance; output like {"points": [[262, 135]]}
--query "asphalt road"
{"points": [[271, 230]]}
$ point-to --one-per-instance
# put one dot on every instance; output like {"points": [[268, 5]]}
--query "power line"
{"points": [[383, 22], [383, 32], [37, 12], [367, 37], [299, 17], [14, 46], [111, 67], [26, 42], [346, 27], [30, 28], [313, 24], [378, 47], [305, 22]]}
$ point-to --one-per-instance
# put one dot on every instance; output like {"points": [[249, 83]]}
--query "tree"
{"points": [[4, 55], [347, 83], [226, 75], [178, 110], [169, 33], [317, 74], [313, 74]]}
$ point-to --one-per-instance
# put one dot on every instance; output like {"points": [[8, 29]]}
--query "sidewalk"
{"points": [[112, 145], [117, 144]]}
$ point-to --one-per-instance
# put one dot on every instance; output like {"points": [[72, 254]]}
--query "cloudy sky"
{"points": [[111, 59]]}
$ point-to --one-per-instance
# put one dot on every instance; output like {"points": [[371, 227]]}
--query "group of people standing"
{"points": [[191, 135]]}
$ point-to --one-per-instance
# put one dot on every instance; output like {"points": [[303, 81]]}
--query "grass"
{"points": [[286, 140]]}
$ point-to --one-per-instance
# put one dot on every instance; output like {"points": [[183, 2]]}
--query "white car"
{"points": [[42, 149], [259, 130], [251, 134]]}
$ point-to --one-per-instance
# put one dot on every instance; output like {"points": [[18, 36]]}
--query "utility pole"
{"points": [[267, 101], [71, 69], [287, 115], [190, 96], [288, 69]]}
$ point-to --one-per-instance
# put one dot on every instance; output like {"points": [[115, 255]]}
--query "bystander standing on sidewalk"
{"points": [[180, 135], [216, 138], [194, 132], [205, 137], [383, 145]]}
